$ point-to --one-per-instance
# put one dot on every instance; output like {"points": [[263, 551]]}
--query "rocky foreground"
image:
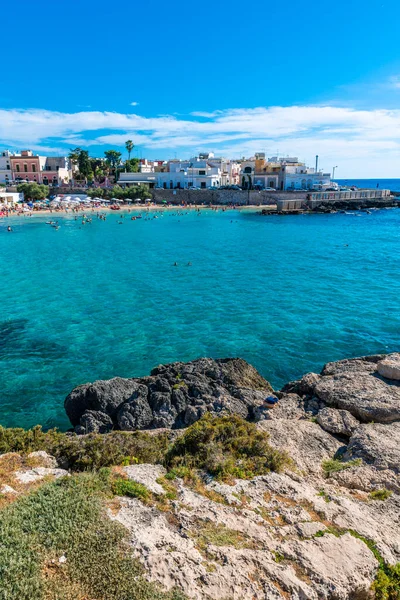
{"points": [[324, 525]]}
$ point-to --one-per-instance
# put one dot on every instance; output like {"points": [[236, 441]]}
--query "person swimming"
{"points": [[175, 264], [9, 228]]}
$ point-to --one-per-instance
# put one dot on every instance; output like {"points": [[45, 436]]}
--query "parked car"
{"points": [[270, 189]]}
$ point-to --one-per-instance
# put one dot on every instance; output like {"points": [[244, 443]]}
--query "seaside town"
{"points": [[31, 181]]}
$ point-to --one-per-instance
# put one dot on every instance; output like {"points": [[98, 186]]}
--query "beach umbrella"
{"points": [[148, 200], [164, 202], [137, 200]]}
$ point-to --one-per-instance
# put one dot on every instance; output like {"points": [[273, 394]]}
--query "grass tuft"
{"points": [[227, 447], [382, 494], [334, 465]]}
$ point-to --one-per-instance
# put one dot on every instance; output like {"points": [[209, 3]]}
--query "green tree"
{"points": [[74, 156], [129, 145], [113, 158], [132, 165], [33, 191], [84, 165], [95, 193]]}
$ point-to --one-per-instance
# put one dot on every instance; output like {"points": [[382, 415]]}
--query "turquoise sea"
{"points": [[104, 299]]}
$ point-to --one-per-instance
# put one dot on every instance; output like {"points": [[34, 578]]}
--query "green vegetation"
{"points": [[226, 447], [334, 465], [129, 145], [87, 452], [67, 518], [33, 191], [207, 532], [138, 191], [382, 494], [126, 487], [278, 557], [324, 495]]}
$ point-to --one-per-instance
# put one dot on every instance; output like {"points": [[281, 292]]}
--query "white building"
{"points": [[10, 198], [300, 177], [5, 167], [198, 172]]}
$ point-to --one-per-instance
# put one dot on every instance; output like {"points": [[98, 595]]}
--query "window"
{"points": [[202, 172], [203, 185], [25, 168], [17, 168], [33, 168], [247, 169]]}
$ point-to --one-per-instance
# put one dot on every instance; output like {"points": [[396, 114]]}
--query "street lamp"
{"points": [[333, 172]]}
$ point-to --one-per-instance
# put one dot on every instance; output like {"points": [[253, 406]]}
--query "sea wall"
{"points": [[209, 196]]}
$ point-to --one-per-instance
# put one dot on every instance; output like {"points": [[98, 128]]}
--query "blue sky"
{"points": [[233, 78]]}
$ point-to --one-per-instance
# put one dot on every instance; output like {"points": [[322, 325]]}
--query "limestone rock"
{"points": [[290, 406], [364, 395], [44, 459], [39, 473], [147, 475], [377, 445], [306, 443], [339, 422], [304, 386], [7, 489], [389, 367], [280, 555], [366, 364]]}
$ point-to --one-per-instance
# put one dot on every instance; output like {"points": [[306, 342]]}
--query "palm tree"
{"points": [[129, 145]]}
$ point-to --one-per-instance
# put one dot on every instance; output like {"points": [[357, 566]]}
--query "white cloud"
{"points": [[361, 142], [134, 103]]}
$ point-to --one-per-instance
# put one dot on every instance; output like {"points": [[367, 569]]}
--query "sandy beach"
{"points": [[134, 209]]}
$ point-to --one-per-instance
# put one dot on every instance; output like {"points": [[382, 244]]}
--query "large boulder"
{"points": [[377, 445], [339, 422], [356, 386], [104, 396], [173, 396], [389, 367], [305, 442]]}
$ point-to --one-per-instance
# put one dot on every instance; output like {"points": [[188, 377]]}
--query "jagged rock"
{"points": [[368, 478], [290, 406], [7, 489], [147, 475], [340, 422], [377, 445], [135, 414], [44, 459], [103, 396], [94, 421], [173, 396], [304, 386], [279, 557], [366, 364], [362, 393], [389, 367], [39, 473], [305, 442]]}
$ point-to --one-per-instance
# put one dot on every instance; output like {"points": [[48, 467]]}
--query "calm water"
{"points": [[383, 184], [285, 293]]}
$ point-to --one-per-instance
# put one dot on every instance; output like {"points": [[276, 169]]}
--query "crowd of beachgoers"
{"points": [[31, 210]]}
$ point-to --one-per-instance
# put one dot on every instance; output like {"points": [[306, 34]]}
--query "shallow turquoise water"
{"points": [[102, 300]]}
